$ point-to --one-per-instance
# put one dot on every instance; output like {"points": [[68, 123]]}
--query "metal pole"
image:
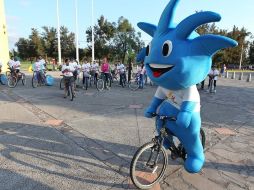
{"points": [[58, 34], [92, 32], [76, 35], [241, 58]]}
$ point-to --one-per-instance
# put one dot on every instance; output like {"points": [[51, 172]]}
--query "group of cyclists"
{"points": [[72, 69]]}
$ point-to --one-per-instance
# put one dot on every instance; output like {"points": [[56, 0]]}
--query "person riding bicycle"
{"points": [[77, 67], [122, 72], [15, 66], [39, 68], [86, 73], [95, 70], [67, 71], [213, 76], [105, 69]]}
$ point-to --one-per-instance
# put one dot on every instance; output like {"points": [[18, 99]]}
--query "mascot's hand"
{"points": [[153, 107], [149, 112], [183, 119]]}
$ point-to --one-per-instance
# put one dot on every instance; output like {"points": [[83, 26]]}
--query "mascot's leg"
{"points": [[192, 143], [166, 109], [190, 138]]}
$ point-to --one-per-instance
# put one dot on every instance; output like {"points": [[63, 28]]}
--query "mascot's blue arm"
{"points": [[153, 107], [185, 114]]}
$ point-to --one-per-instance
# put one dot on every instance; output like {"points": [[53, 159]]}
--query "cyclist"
{"points": [[11, 62], [213, 76], [95, 71], [39, 68], [121, 71], [67, 71], [43, 62], [77, 67], [16, 67], [105, 69], [86, 73], [142, 74]]}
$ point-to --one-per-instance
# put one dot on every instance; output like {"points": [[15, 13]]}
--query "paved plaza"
{"points": [[48, 142]]}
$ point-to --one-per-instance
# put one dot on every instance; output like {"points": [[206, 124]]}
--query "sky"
{"points": [[22, 15]]}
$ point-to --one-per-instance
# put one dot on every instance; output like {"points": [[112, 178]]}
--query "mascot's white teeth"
{"points": [[159, 66]]}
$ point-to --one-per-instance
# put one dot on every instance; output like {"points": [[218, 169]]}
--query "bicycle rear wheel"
{"points": [[70, 93], [35, 81], [12, 81], [100, 84], [148, 165]]}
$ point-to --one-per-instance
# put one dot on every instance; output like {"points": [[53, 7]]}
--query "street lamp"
{"points": [[58, 33], [76, 35], [92, 32]]}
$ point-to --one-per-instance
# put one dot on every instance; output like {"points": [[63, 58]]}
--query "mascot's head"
{"points": [[178, 57]]}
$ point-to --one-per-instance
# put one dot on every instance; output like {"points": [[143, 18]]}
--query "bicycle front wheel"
{"points": [[23, 79], [133, 84], [100, 85], [12, 81], [71, 95], [148, 165], [35, 81]]}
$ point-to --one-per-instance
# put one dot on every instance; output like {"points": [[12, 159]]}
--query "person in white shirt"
{"points": [[142, 73], [122, 73], [86, 73], [95, 71], [213, 76], [11, 62], [43, 62], [67, 71], [39, 68]]}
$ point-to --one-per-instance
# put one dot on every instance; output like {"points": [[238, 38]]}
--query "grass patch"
{"points": [[26, 64]]}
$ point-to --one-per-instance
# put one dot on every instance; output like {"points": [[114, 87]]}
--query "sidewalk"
{"points": [[48, 142]]}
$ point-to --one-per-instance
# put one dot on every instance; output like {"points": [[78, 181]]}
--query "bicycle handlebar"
{"points": [[164, 117]]}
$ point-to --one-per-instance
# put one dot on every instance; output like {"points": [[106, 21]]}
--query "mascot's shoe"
{"points": [[193, 165]]}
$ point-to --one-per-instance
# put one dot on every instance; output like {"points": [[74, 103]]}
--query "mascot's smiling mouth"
{"points": [[159, 70]]}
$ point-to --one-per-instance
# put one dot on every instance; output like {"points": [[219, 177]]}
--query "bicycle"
{"points": [[153, 163], [102, 83], [14, 78], [40, 79], [134, 82], [211, 86], [69, 85], [123, 80]]}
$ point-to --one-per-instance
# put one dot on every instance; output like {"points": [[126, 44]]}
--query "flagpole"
{"points": [[58, 34], [92, 31], [77, 37]]}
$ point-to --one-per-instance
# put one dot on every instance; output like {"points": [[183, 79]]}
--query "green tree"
{"points": [[251, 54], [67, 42], [23, 48], [103, 34], [49, 36], [126, 40], [35, 43]]}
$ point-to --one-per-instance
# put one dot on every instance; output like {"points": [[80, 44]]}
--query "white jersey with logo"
{"points": [[121, 68], [11, 63], [86, 67], [16, 65], [177, 97], [37, 66], [95, 67], [213, 73], [68, 70]]}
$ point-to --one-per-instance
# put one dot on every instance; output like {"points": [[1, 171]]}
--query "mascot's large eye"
{"points": [[167, 48], [148, 49]]}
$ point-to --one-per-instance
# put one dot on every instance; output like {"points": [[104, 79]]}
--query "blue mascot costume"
{"points": [[176, 60]]}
